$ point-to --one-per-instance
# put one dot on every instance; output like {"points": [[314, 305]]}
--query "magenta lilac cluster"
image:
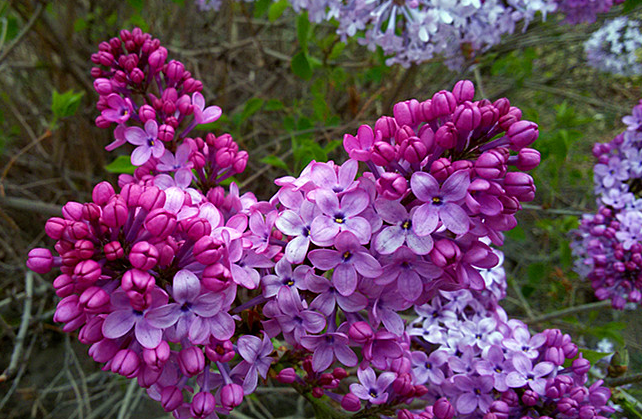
{"points": [[491, 367], [607, 244]]}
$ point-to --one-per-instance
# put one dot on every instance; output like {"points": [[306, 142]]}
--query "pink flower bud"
{"points": [[231, 396], [175, 70], [94, 300], [441, 169], [157, 59], [522, 134], [442, 409], [240, 162], [464, 90], [55, 226], [567, 406], [103, 86], [443, 103], [115, 213], [64, 285], [530, 398], [286, 376], [91, 211], [216, 277], [520, 185], [424, 112], [219, 351], [40, 260], [392, 186], [581, 365], [447, 135], [143, 256], [404, 112], [87, 271], [587, 412], [360, 332], [137, 281], [387, 126], [160, 223], [171, 398], [502, 105], [203, 404], [166, 133], [445, 253], [350, 403], [339, 373], [146, 113], [491, 164], [528, 159], [75, 231], [137, 76], [383, 153], [403, 385], [102, 193], [91, 332], [191, 361], [103, 350], [489, 116], [157, 357], [467, 117], [113, 251], [68, 309], [413, 150], [513, 116], [554, 355], [84, 249]]}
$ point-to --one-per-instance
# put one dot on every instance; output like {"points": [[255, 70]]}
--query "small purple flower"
{"points": [[178, 163], [295, 317], [256, 361], [400, 232], [474, 393], [523, 342], [340, 216], [285, 278], [297, 224], [203, 115], [328, 346], [525, 373], [371, 388], [119, 109], [493, 363], [147, 141], [328, 297], [426, 368], [440, 203], [325, 176], [349, 258]]}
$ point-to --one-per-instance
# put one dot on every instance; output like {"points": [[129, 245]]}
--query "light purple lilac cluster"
{"points": [[415, 31], [584, 11], [613, 48], [607, 244], [491, 367]]}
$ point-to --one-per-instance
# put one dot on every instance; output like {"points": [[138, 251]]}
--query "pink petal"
{"points": [[136, 136], [148, 336], [118, 323], [389, 240], [344, 279], [141, 155], [454, 218], [186, 286], [424, 186], [456, 186], [425, 219]]}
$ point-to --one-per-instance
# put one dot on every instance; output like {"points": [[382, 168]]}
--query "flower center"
{"points": [[406, 225], [339, 218], [436, 200], [373, 393], [346, 256]]}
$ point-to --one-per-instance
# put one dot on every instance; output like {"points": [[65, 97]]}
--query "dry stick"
{"points": [[124, 406], [23, 150], [22, 332], [22, 34], [568, 311], [614, 382], [30, 205]]}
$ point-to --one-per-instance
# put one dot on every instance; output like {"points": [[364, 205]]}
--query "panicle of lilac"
{"points": [[613, 47], [488, 365], [584, 11], [607, 244], [156, 103]]}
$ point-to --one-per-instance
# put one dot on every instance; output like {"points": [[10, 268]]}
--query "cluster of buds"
{"points": [[492, 367], [607, 245]]}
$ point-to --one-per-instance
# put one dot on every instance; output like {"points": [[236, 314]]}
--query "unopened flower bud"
{"points": [[360, 332], [40, 260], [463, 91], [443, 103], [442, 409], [392, 186], [143, 256], [191, 360], [447, 135], [171, 398], [350, 403], [204, 402], [528, 159]]}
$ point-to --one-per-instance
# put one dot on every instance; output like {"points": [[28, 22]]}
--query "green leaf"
{"points": [[276, 9], [629, 5], [137, 4], [80, 25], [300, 66], [516, 234], [137, 20], [337, 49], [179, 2], [303, 30], [593, 356], [65, 104], [121, 164], [261, 7], [273, 105], [251, 107], [275, 161]]}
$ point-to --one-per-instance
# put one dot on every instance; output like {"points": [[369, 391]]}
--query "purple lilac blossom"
{"points": [[614, 47]]}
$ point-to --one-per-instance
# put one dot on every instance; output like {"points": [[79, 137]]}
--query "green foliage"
{"points": [[276, 9], [517, 65], [65, 104], [121, 165], [303, 30], [301, 66]]}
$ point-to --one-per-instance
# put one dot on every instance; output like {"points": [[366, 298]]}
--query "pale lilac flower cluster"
{"points": [[491, 367], [584, 11], [607, 244], [614, 47]]}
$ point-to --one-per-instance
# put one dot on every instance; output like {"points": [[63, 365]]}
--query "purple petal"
{"points": [[248, 347], [289, 223], [391, 321], [522, 364], [250, 381], [425, 219], [199, 331], [118, 323], [454, 218], [325, 259], [344, 279], [327, 202], [515, 380], [347, 172], [366, 265], [392, 212], [313, 322], [136, 136], [151, 128], [147, 335], [352, 303], [456, 186], [186, 286], [367, 377], [198, 100], [164, 316], [323, 230], [409, 285], [360, 391], [208, 304], [466, 403], [211, 114], [141, 155], [353, 203], [345, 355], [222, 326], [390, 239], [323, 175], [296, 249], [419, 245], [424, 186], [322, 358]]}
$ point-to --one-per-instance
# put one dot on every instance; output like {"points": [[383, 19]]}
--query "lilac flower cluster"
{"points": [[613, 48], [607, 244], [584, 11], [492, 367]]}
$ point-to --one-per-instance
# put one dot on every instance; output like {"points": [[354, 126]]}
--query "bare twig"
{"points": [[620, 381], [23, 150], [124, 406], [22, 331], [568, 312], [21, 35], [24, 204]]}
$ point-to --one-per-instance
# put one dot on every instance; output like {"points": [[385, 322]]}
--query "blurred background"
{"points": [[285, 111]]}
